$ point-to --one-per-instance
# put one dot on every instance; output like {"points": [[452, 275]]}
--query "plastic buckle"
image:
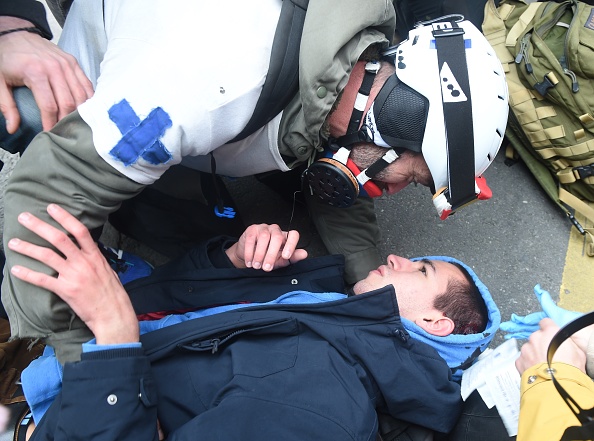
{"points": [[584, 171], [544, 86], [372, 66], [442, 30], [228, 212]]}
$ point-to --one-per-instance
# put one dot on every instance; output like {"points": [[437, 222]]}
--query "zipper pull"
{"points": [[575, 87], [215, 344], [520, 54], [523, 54]]}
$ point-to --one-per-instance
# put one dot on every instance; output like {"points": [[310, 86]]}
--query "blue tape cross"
{"points": [[141, 139]]}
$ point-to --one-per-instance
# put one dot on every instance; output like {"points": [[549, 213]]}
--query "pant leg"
{"points": [[478, 422]]}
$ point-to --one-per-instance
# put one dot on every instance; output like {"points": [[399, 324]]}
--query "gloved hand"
{"points": [[520, 327]]}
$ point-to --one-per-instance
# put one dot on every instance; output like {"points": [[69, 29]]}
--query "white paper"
{"points": [[497, 380]]}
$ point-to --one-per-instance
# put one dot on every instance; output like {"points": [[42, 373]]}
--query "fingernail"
{"points": [[15, 269], [248, 264], [51, 207], [13, 242], [257, 265], [267, 267], [24, 217]]}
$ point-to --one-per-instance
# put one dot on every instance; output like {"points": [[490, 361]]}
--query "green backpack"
{"points": [[547, 52]]}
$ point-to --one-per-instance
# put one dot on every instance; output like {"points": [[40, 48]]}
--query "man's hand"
{"points": [[535, 350], [58, 83], [85, 280], [266, 247]]}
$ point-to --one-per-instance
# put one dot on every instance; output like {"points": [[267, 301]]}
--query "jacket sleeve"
{"points": [[30, 10], [108, 395], [59, 167], [543, 413]]}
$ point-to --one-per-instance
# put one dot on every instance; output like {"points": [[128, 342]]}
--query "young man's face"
{"points": [[417, 284]]}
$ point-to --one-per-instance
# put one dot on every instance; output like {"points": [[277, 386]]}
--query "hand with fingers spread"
{"points": [[58, 83], [266, 247], [84, 279]]}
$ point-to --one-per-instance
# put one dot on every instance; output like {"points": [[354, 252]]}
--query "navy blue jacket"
{"points": [[289, 372]]}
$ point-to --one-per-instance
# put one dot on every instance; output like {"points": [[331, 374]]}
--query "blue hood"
{"points": [[460, 351]]}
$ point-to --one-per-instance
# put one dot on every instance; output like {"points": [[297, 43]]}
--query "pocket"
{"points": [[253, 350]]}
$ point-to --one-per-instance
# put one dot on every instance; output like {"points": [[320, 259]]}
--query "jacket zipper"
{"points": [[214, 343]]}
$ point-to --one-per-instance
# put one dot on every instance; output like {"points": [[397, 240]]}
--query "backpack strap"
{"points": [[282, 80]]}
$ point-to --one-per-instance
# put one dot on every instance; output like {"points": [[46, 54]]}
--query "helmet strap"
{"points": [[457, 111]]}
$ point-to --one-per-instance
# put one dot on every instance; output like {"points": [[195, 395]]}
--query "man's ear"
{"points": [[439, 325]]}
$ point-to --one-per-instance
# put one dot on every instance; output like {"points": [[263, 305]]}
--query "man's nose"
{"points": [[398, 263]]}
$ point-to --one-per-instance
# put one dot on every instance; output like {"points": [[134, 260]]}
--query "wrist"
{"points": [[7, 22], [116, 332]]}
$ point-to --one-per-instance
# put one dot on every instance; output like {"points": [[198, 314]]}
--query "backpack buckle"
{"points": [[583, 171]]}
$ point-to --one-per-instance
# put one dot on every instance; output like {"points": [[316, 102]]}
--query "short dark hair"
{"points": [[463, 303]]}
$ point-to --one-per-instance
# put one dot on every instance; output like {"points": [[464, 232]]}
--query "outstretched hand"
{"points": [[58, 83], [84, 279], [266, 247]]}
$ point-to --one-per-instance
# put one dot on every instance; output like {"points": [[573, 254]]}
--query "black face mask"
{"points": [[398, 116]]}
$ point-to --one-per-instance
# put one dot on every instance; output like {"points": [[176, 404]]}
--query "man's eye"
{"points": [[423, 270]]}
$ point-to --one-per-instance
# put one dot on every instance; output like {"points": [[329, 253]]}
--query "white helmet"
{"points": [[458, 97], [447, 100]]}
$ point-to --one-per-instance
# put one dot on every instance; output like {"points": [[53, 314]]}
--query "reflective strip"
{"points": [[586, 118]]}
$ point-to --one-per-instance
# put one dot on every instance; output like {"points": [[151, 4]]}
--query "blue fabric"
{"points": [[92, 346], [521, 327], [291, 298], [41, 382]]}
